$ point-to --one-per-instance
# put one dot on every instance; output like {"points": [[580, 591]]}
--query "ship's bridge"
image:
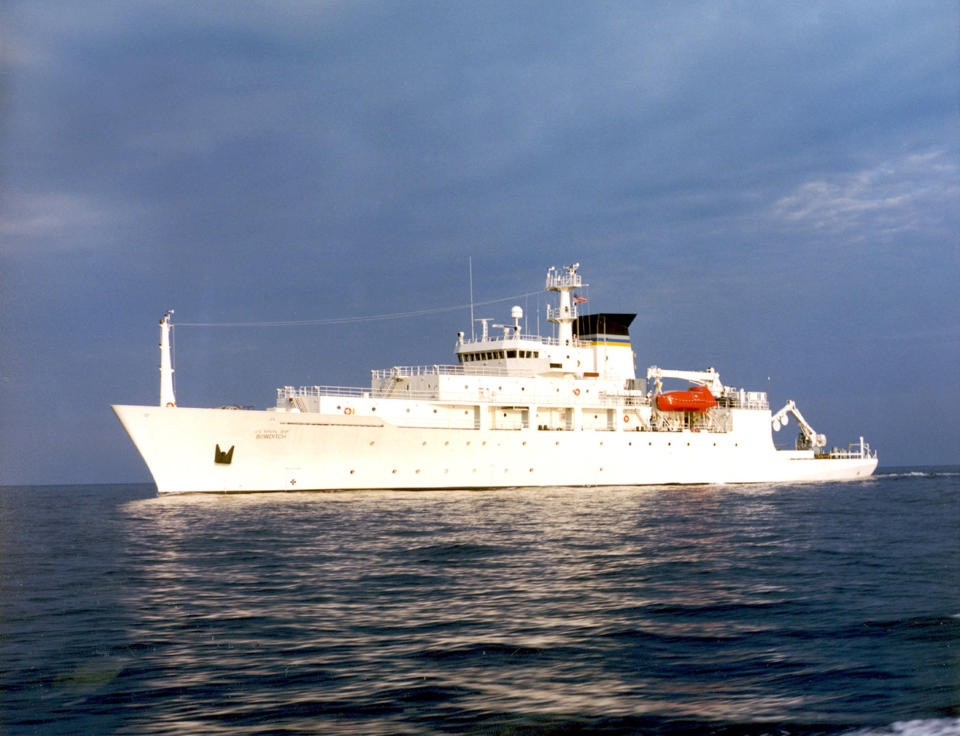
{"points": [[600, 348], [606, 336]]}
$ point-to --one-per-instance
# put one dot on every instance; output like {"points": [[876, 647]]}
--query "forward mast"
{"points": [[167, 396]]}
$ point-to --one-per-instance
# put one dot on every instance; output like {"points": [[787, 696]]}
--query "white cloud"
{"points": [[58, 221], [914, 192]]}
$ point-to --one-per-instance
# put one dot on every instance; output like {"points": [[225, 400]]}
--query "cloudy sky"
{"points": [[773, 187]]}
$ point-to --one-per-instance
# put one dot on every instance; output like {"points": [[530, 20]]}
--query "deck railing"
{"points": [[393, 386], [537, 339], [855, 451], [563, 279], [484, 395], [409, 371]]}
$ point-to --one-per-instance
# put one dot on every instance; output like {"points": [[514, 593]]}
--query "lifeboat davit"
{"points": [[696, 398]]}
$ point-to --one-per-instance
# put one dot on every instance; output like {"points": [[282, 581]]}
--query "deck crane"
{"points": [[808, 439], [709, 378]]}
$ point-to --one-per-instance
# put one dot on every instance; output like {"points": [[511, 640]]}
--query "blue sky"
{"points": [[773, 187]]}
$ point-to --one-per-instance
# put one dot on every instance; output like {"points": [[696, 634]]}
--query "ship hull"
{"points": [[214, 450]]}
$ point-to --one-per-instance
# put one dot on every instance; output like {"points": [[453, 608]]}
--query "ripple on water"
{"points": [[812, 609]]}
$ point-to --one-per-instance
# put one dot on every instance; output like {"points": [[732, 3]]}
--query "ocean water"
{"points": [[768, 609]]}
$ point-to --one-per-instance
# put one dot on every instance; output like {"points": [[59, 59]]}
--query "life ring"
{"points": [[626, 417], [170, 403], [576, 392], [348, 411]]}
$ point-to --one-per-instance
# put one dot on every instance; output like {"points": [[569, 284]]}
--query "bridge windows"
{"points": [[497, 355]]}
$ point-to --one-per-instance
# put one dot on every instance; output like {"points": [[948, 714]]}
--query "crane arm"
{"points": [[811, 440], [709, 378]]}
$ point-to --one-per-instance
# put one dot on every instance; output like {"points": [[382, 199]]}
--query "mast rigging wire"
{"points": [[353, 320]]}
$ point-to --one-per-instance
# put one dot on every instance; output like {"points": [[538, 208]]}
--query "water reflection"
{"points": [[368, 607], [601, 609]]}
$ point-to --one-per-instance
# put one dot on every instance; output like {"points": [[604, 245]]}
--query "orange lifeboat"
{"points": [[697, 398]]}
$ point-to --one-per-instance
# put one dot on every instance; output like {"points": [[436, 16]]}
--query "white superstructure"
{"points": [[515, 410]]}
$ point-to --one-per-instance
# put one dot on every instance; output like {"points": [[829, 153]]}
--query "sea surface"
{"points": [[827, 608]]}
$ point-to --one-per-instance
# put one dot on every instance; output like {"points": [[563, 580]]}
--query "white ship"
{"points": [[516, 409]]}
